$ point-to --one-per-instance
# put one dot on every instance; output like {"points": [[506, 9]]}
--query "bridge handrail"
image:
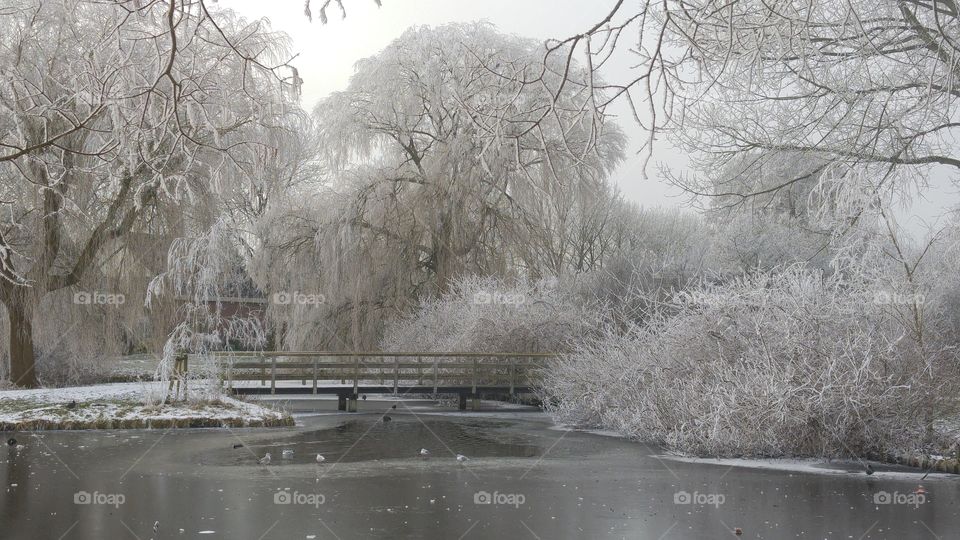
{"points": [[383, 354], [515, 365]]}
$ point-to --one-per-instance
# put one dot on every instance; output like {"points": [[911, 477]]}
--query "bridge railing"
{"points": [[391, 370]]}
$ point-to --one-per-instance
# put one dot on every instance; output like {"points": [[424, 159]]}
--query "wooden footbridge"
{"points": [[351, 374]]}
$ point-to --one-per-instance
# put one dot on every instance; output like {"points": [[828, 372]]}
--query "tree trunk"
{"points": [[443, 256], [22, 361]]}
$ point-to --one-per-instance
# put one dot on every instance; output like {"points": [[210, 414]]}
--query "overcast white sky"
{"points": [[327, 54]]}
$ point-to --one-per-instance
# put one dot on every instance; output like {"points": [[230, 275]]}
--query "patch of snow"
{"points": [[600, 432], [813, 466], [132, 390], [117, 401]]}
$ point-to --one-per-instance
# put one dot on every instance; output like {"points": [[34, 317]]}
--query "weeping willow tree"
{"points": [[454, 151], [145, 118]]}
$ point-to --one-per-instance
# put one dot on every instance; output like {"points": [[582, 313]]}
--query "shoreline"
{"points": [[116, 406], [922, 463]]}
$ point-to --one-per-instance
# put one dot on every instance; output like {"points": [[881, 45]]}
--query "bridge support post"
{"points": [[352, 403], [341, 402], [463, 401]]}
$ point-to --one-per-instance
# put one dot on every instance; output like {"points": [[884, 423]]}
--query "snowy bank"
{"points": [[820, 466], [121, 406]]}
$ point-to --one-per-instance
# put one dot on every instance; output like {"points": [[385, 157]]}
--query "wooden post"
{"points": [[513, 374], [273, 375], [476, 363], [356, 373], [419, 372], [435, 363], [341, 402], [179, 374], [314, 374], [463, 401], [396, 373], [230, 374], [263, 370]]}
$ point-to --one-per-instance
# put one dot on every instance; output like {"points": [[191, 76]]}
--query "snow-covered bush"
{"points": [[776, 363], [487, 315]]}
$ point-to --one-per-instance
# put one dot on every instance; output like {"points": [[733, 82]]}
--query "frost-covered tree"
{"points": [[488, 315], [114, 115], [862, 85], [467, 144], [438, 166]]}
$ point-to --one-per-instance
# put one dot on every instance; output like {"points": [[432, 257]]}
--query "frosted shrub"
{"points": [[789, 363], [487, 315]]}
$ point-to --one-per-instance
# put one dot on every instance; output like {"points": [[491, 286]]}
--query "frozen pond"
{"points": [[523, 480]]}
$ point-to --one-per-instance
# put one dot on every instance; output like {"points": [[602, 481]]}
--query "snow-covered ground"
{"points": [[813, 465], [85, 393], [122, 405]]}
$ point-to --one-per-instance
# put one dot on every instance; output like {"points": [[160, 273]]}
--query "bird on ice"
{"points": [[265, 460], [320, 459], [424, 452], [461, 458]]}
